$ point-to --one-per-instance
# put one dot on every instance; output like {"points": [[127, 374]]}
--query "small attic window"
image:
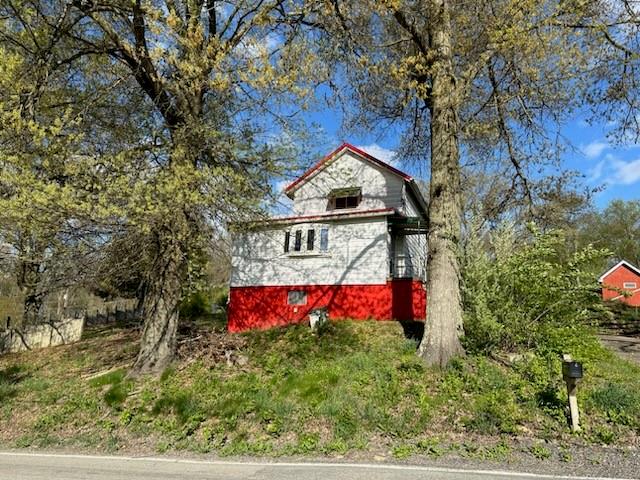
{"points": [[629, 285], [341, 198]]}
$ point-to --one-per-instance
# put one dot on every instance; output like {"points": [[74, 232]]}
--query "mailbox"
{"points": [[572, 370]]}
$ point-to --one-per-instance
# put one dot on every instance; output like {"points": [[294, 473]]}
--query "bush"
{"points": [[516, 295], [195, 305]]}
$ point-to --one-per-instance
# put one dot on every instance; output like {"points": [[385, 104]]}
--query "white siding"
{"points": [[358, 254], [410, 207], [415, 246], [416, 249], [380, 187]]}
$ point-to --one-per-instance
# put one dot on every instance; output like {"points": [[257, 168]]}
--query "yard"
{"points": [[357, 387]]}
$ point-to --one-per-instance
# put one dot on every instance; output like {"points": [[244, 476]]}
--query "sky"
{"points": [[612, 169]]}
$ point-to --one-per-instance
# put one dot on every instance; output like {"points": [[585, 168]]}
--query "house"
{"points": [[355, 246], [622, 277]]}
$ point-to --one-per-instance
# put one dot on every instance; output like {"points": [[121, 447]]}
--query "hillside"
{"points": [[358, 387]]}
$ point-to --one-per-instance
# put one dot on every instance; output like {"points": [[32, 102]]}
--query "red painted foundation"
{"points": [[265, 307]]}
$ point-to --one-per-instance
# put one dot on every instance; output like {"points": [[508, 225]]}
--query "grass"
{"points": [[357, 386]]}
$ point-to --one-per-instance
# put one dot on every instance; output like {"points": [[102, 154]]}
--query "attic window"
{"points": [[341, 198], [629, 285]]}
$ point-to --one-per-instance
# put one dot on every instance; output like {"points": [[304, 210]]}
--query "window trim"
{"points": [[629, 285]]}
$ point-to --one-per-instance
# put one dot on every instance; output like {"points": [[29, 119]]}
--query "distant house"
{"points": [[622, 277], [355, 246]]}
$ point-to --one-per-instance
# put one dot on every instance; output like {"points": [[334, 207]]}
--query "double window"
{"points": [[341, 198], [309, 236]]}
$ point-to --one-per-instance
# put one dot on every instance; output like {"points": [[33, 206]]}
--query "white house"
{"points": [[356, 246]]}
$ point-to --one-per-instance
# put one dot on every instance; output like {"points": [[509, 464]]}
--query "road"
{"points": [[19, 466]]}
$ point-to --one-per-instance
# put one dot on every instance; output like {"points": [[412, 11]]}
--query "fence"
{"points": [[118, 311], [41, 336]]}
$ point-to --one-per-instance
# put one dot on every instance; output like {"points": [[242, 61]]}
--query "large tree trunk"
{"points": [[443, 328], [160, 305]]}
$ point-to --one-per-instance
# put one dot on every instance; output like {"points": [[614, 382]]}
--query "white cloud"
{"points": [[624, 173], [596, 172], [381, 153], [594, 149], [252, 48]]}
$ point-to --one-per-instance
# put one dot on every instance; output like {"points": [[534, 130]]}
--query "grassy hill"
{"points": [[358, 386]]}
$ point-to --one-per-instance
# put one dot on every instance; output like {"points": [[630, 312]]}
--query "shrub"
{"points": [[516, 294], [195, 305]]}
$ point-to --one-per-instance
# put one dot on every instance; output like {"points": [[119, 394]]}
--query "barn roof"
{"points": [[411, 183], [621, 263]]}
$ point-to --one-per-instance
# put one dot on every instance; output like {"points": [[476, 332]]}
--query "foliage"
{"points": [[616, 228], [359, 386], [521, 296], [144, 124], [494, 80]]}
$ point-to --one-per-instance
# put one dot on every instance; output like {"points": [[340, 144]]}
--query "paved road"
{"points": [[18, 466], [628, 347]]}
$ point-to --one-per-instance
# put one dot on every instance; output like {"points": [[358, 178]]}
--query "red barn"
{"points": [[622, 277]]}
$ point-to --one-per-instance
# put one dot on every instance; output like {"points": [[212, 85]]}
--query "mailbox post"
{"points": [[572, 373]]}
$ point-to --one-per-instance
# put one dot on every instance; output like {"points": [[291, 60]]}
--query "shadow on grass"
{"points": [[10, 377], [412, 330]]}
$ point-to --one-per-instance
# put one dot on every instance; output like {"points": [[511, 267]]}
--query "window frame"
{"points": [[302, 301], [324, 239], [287, 240], [297, 242], [345, 198], [629, 285], [311, 236]]}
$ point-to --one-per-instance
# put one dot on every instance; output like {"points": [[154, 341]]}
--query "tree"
{"points": [[477, 85], [616, 228], [162, 106]]}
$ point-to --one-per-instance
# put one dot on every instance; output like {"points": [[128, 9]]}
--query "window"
{"points": [[346, 202], [311, 236], [297, 246], [324, 239], [629, 285], [287, 238], [341, 198], [297, 297]]}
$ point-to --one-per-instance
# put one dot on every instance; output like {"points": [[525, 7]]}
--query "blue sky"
{"points": [[613, 168]]}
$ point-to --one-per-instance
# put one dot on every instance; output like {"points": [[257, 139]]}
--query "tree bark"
{"points": [[29, 280], [161, 304], [443, 328]]}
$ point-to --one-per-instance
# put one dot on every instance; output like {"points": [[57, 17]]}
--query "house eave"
{"points": [[292, 187], [325, 217]]}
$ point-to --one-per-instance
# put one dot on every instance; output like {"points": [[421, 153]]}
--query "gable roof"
{"points": [[292, 187], [621, 263]]}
